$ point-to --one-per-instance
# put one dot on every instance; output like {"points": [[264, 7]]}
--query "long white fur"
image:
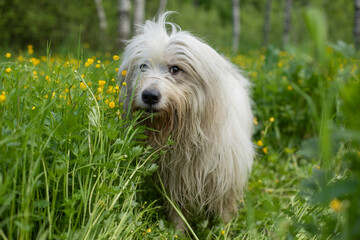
{"points": [[205, 109]]}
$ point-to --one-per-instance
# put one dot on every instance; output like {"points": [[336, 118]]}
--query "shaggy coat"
{"points": [[199, 100]]}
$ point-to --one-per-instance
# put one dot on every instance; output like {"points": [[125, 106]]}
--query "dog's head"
{"points": [[173, 75], [166, 68]]}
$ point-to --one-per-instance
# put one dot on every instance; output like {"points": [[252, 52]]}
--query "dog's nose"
{"points": [[151, 97]]}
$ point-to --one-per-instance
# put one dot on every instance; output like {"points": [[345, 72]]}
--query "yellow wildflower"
{"points": [[259, 143], [110, 89], [265, 150], [35, 61], [2, 97], [256, 121], [124, 84], [148, 230], [253, 74], [8, 55], [30, 49], [116, 69], [47, 78], [124, 72], [82, 86], [336, 205], [223, 232], [272, 119], [97, 65], [111, 104], [33, 108], [116, 57], [280, 64], [102, 82], [21, 58], [89, 62], [46, 96], [289, 87], [8, 70]]}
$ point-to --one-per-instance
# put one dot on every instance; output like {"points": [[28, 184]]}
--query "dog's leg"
{"points": [[176, 219], [228, 208]]}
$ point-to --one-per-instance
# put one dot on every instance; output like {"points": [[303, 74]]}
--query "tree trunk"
{"points": [[102, 21], [124, 26], [357, 24], [287, 22], [139, 14], [267, 25], [196, 3], [162, 7], [236, 24]]}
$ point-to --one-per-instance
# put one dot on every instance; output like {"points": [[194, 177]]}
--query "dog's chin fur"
{"points": [[204, 108]]}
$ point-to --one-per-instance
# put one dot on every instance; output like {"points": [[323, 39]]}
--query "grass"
{"points": [[72, 168]]}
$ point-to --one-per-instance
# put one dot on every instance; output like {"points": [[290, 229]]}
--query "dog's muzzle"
{"points": [[151, 97]]}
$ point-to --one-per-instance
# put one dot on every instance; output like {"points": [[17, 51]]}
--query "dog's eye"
{"points": [[174, 70], [143, 67]]}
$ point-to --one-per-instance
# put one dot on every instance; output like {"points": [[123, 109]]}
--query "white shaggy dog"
{"points": [[199, 100]]}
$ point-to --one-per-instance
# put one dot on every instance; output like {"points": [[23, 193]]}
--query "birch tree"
{"points": [[102, 20], [357, 24], [124, 26], [287, 22], [162, 6], [236, 24], [139, 13], [101, 15], [267, 24]]}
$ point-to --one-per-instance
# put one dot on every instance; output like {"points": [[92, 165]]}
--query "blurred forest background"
{"points": [[103, 22], [69, 169]]}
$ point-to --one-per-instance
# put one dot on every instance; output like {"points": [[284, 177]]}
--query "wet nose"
{"points": [[151, 96]]}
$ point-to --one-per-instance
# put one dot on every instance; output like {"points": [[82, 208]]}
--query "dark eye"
{"points": [[143, 67], [174, 70]]}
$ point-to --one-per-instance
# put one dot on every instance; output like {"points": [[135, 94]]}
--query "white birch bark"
{"points": [[139, 13], [287, 22], [236, 24], [101, 15], [124, 26], [267, 23], [162, 6]]}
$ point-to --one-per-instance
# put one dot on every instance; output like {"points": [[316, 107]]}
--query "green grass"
{"points": [[72, 168]]}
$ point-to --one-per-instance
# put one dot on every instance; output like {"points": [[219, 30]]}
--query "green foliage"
{"points": [[72, 168], [36, 22]]}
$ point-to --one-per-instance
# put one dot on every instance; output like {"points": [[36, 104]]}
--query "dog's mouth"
{"points": [[150, 110], [147, 110]]}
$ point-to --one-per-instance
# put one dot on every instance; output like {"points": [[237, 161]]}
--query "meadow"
{"points": [[72, 168]]}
